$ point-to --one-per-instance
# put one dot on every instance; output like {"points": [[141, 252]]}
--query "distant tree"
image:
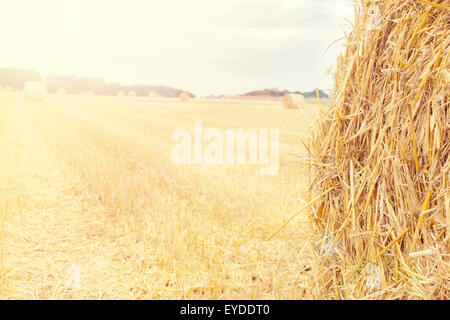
{"points": [[16, 78]]}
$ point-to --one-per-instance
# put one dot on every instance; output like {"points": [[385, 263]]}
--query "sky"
{"points": [[203, 46]]}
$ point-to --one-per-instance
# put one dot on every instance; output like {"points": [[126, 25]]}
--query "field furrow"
{"points": [[100, 211]]}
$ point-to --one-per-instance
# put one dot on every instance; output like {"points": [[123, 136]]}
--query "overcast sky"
{"points": [[204, 46]]}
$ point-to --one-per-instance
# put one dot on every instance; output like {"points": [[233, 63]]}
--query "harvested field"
{"points": [[92, 207]]}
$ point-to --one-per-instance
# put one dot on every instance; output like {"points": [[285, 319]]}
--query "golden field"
{"points": [[92, 206]]}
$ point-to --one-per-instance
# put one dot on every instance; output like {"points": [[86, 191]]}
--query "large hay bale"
{"points": [[9, 89], [35, 90], [184, 97], [293, 101], [380, 159], [121, 94], [132, 93]]}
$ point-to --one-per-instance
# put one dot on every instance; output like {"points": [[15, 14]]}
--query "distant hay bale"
{"points": [[9, 89], [184, 97], [293, 101], [35, 90], [379, 158], [132, 93], [153, 94], [121, 94], [61, 91]]}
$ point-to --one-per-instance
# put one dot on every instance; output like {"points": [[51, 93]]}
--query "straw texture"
{"points": [[379, 159]]}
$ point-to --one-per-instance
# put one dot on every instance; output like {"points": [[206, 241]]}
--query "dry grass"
{"points": [[92, 206], [380, 160]]}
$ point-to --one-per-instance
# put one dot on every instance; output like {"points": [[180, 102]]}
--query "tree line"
{"points": [[16, 78], [274, 92]]}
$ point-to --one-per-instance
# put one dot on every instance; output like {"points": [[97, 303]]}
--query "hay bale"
{"points": [[153, 94], [9, 89], [132, 93], [380, 159], [35, 90], [1, 89], [121, 94], [293, 101], [184, 97]]}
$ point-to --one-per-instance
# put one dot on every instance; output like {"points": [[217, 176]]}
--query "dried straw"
{"points": [[380, 158]]}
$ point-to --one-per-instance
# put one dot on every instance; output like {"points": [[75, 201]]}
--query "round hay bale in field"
{"points": [[153, 94], [9, 89], [184, 97], [132, 93], [379, 157], [121, 94], [293, 101]]}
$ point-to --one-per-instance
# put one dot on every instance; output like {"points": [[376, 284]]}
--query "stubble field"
{"points": [[93, 207]]}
